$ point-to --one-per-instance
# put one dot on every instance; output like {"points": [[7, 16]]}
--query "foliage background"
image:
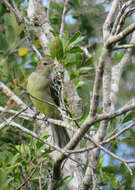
{"points": [[17, 60]]}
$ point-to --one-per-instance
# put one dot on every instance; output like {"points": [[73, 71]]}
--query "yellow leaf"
{"points": [[22, 51], [37, 44]]}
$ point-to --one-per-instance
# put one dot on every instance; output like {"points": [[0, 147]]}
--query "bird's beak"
{"points": [[52, 64]]}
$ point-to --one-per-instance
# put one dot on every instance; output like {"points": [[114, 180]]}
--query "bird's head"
{"points": [[44, 69]]}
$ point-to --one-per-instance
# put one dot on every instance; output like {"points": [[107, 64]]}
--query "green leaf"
{"points": [[65, 39], [79, 84], [23, 148], [85, 70], [117, 56], [73, 59], [20, 43], [75, 49], [74, 40], [56, 6], [72, 75], [66, 177], [4, 180], [7, 19], [14, 22], [14, 159], [45, 135], [65, 181], [39, 144], [123, 169], [19, 1], [97, 53], [66, 35], [48, 150], [10, 36], [89, 61], [12, 29], [20, 29], [79, 39], [83, 89], [2, 9], [100, 162], [75, 36], [56, 48], [3, 42], [129, 116], [54, 33], [41, 159]]}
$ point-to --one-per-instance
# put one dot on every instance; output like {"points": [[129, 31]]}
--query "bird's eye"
{"points": [[45, 64]]}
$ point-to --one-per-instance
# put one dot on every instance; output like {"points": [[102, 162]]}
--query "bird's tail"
{"points": [[60, 136]]}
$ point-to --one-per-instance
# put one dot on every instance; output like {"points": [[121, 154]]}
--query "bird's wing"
{"points": [[54, 92]]}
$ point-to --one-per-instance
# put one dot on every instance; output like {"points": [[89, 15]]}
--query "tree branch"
{"points": [[117, 72], [118, 18], [12, 96], [120, 36], [78, 135], [122, 19], [107, 140], [125, 46]]}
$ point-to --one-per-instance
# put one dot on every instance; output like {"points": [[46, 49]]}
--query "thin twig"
{"points": [[8, 121], [31, 116], [129, 29], [109, 139], [48, 10], [117, 20], [122, 19], [7, 4], [63, 17], [40, 177], [33, 134], [85, 49], [24, 178], [109, 20], [94, 180], [98, 118], [44, 101], [112, 155], [62, 111], [123, 46], [11, 95], [28, 178], [103, 142]]}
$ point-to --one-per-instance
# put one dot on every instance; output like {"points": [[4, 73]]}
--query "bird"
{"points": [[41, 87]]}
